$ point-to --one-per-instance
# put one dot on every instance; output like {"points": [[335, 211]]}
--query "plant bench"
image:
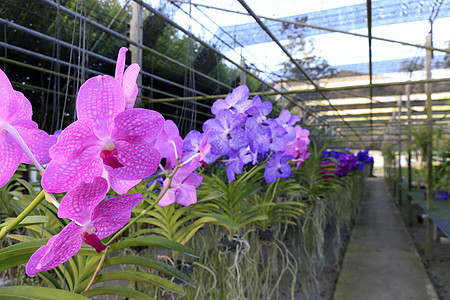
{"points": [[440, 214]]}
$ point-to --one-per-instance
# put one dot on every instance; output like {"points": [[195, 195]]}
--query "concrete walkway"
{"points": [[381, 261]]}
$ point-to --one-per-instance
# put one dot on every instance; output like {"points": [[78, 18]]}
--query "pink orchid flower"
{"points": [[182, 188], [300, 144], [127, 79], [106, 140], [20, 138], [93, 220], [169, 143]]}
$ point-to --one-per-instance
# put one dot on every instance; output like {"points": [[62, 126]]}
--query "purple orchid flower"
{"points": [[277, 167], [106, 139], [226, 132], [277, 133], [347, 162], [182, 188], [196, 144], [247, 156], [259, 112], [233, 165], [93, 220], [258, 141], [287, 121], [237, 101], [127, 79], [169, 143], [20, 138]]}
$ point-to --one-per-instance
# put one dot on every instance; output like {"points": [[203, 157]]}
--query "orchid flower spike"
{"points": [[92, 220], [20, 138]]}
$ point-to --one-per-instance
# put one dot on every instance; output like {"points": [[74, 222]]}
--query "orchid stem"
{"points": [[22, 215], [97, 270], [145, 211]]}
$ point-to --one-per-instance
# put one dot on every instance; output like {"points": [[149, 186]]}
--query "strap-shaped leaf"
{"points": [[37, 292], [27, 221], [117, 290], [138, 277], [18, 253], [139, 261], [153, 241]]}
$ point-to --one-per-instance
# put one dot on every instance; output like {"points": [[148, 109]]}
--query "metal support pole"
{"points": [[408, 105], [399, 178], [429, 154], [136, 34], [243, 75]]}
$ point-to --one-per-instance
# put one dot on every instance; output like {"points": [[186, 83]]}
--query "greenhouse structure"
{"points": [[235, 149]]}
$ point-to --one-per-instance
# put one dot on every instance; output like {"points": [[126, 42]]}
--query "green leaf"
{"points": [[153, 241], [37, 292], [18, 254], [117, 290], [138, 277], [28, 221], [146, 262]]}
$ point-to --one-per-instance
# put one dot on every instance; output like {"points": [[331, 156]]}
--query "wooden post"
{"points": [[430, 194], [136, 34], [408, 105]]}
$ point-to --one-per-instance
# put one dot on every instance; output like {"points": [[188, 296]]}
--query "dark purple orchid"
{"points": [[364, 158], [347, 162]]}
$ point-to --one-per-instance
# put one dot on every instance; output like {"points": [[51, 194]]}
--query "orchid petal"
{"points": [[59, 249], [168, 198], [7, 98], [37, 140], [64, 177], [193, 179], [121, 186], [186, 195], [11, 154], [79, 203], [23, 108], [120, 65], [219, 105], [130, 101], [76, 138], [100, 100], [138, 126], [238, 94], [138, 161], [112, 214], [129, 80]]}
